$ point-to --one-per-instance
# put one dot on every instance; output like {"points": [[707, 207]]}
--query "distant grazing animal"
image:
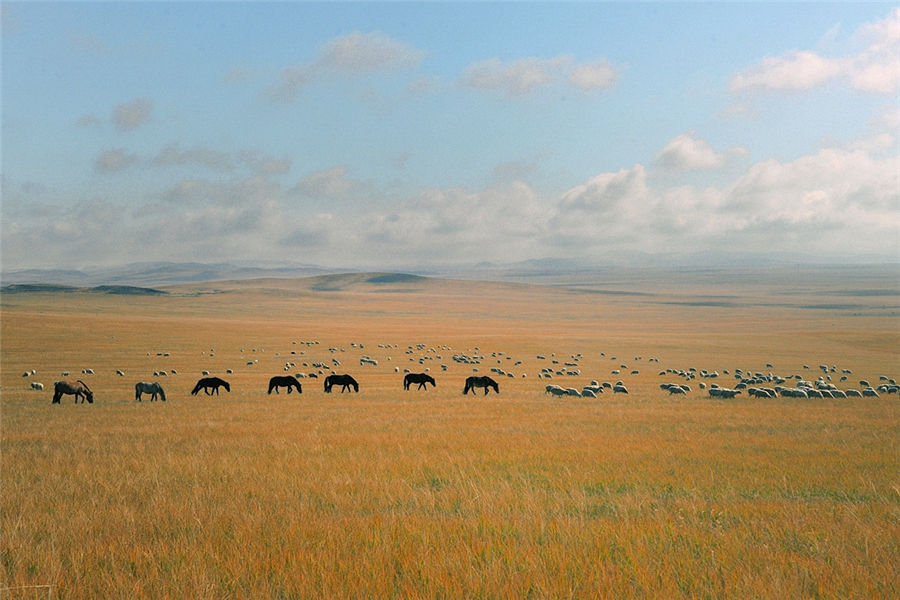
{"points": [[345, 381], [288, 381], [79, 389], [210, 382], [482, 382], [37, 386], [154, 389], [423, 379]]}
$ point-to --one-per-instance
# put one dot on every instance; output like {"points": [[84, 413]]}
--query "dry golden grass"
{"points": [[393, 494]]}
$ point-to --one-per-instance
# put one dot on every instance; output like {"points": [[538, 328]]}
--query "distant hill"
{"points": [[159, 274], [128, 290], [122, 290]]}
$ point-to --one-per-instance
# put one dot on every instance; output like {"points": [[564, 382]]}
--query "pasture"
{"points": [[389, 493]]}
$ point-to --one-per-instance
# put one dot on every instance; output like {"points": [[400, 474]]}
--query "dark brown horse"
{"points": [[208, 383], [288, 381], [482, 382], [423, 379], [345, 381], [79, 389]]}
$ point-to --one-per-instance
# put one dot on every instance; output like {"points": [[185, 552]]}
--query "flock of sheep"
{"points": [[753, 384]]}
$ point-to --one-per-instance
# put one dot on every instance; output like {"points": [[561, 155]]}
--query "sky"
{"points": [[405, 134]]}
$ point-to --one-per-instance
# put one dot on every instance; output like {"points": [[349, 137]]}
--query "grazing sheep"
{"points": [[620, 389], [37, 386]]}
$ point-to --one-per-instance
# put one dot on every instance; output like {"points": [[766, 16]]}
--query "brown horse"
{"points": [[288, 381], [482, 382], [210, 382], [79, 389]]}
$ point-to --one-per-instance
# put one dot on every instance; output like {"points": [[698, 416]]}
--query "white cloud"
{"points": [[360, 52], [129, 116], [290, 81], [513, 78], [525, 75], [111, 161], [794, 71], [593, 76], [833, 203], [332, 184], [875, 69], [172, 155], [352, 54], [687, 153]]}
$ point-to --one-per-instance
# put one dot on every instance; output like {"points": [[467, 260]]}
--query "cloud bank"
{"points": [[838, 201]]}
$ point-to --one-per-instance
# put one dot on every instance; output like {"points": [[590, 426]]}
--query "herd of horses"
{"points": [[211, 385]]}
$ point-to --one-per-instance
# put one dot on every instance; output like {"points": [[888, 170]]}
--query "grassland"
{"points": [[393, 494]]}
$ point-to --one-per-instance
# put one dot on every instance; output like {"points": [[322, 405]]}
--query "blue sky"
{"points": [[380, 135]]}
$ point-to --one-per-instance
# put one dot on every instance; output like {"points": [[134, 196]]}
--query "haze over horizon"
{"points": [[371, 135]]}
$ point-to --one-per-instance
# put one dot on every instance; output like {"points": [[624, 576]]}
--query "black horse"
{"points": [[288, 381], [423, 379], [345, 381], [482, 382], [210, 382]]}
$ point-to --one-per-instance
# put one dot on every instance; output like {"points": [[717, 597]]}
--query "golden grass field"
{"points": [[395, 494]]}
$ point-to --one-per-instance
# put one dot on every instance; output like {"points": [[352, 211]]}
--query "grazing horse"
{"points": [[288, 381], [345, 381], [79, 389], [423, 379], [154, 389], [482, 382], [210, 382]]}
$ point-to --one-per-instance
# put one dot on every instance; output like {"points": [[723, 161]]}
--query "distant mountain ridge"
{"points": [[149, 274], [158, 274], [117, 290]]}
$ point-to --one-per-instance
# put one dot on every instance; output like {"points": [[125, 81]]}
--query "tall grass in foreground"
{"points": [[433, 495]]}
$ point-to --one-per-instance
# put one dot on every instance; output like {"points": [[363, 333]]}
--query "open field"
{"points": [[394, 494]]}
